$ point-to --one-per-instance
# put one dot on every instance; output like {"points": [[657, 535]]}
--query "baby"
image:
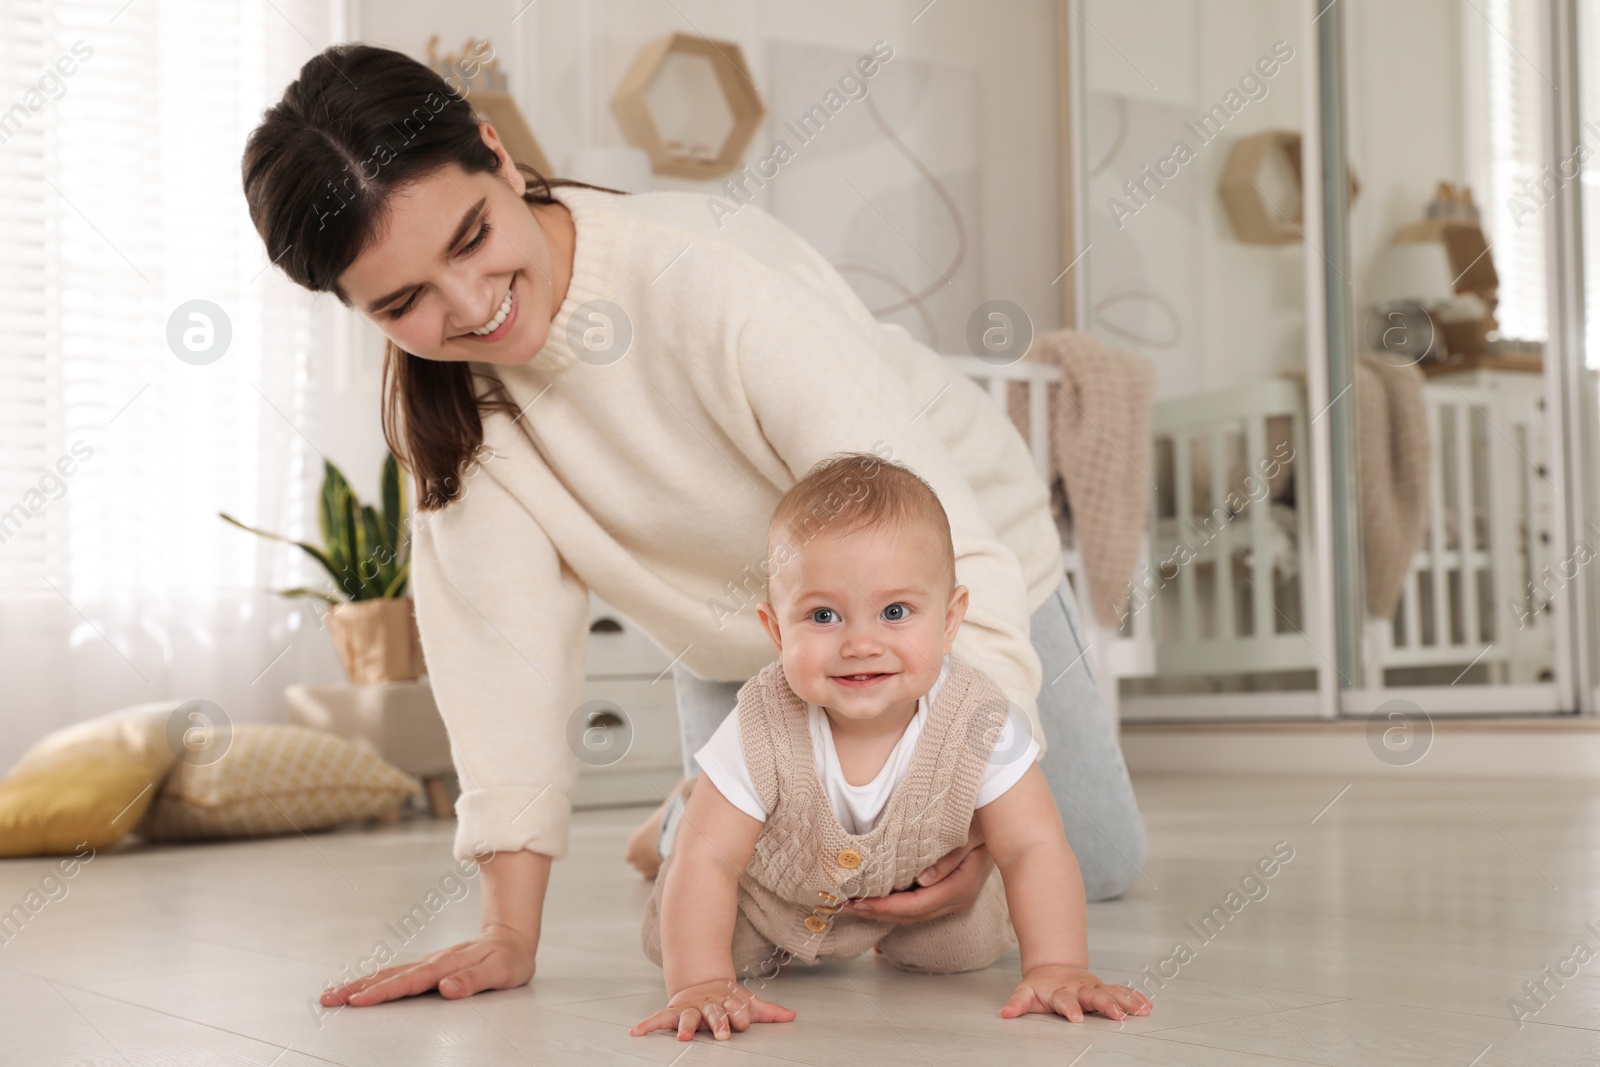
{"points": [[864, 753]]}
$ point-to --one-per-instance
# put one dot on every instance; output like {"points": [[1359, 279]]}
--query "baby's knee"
{"points": [[943, 956], [968, 941], [759, 962]]}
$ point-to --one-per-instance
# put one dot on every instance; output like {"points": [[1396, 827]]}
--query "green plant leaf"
{"points": [[346, 545], [311, 550], [360, 549], [364, 549], [334, 488], [393, 502], [372, 538], [398, 585], [317, 593], [379, 561]]}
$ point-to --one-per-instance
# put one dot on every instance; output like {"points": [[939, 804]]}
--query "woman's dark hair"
{"points": [[356, 124]]}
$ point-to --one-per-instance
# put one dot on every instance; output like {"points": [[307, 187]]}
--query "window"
{"points": [[120, 436]]}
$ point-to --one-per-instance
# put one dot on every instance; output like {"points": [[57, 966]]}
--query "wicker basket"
{"points": [[377, 640]]}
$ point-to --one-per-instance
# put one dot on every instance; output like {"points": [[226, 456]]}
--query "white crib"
{"points": [[1234, 602]]}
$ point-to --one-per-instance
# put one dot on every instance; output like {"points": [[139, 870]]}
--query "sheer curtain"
{"points": [[120, 438]]}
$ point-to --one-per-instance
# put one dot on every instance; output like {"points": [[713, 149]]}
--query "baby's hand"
{"points": [[714, 1006], [1071, 991]]}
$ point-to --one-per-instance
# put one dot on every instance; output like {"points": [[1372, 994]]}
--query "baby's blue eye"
{"points": [[821, 611], [895, 607]]}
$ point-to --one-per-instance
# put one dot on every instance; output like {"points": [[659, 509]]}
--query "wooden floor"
{"points": [[1411, 913]]}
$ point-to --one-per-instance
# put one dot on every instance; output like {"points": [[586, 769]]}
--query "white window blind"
{"points": [[121, 133], [25, 411], [1506, 71]]}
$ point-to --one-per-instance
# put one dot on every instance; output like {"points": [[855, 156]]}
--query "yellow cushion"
{"points": [[276, 779], [86, 784], [78, 800], [140, 730]]}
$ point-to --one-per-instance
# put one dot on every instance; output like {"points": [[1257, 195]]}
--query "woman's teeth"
{"points": [[500, 316]]}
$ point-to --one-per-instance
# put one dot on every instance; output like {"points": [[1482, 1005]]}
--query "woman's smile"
{"points": [[505, 317]]}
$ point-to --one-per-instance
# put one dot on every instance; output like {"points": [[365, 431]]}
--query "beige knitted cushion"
{"points": [[272, 780]]}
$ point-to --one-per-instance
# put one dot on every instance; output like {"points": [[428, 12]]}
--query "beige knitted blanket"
{"points": [[1100, 456], [1393, 457]]}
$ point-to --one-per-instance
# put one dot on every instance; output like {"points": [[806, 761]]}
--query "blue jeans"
{"points": [[1082, 761]]}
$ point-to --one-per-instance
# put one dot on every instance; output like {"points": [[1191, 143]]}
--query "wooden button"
{"points": [[850, 858], [826, 910], [816, 923]]}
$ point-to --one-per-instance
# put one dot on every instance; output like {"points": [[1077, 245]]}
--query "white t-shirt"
{"points": [[859, 806]]}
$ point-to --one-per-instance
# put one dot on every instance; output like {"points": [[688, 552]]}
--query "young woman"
{"points": [[597, 391]]}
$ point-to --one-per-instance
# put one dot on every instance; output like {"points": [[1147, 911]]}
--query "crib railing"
{"points": [[1226, 594], [1474, 593]]}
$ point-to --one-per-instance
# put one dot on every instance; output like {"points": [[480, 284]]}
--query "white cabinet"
{"points": [[629, 700]]}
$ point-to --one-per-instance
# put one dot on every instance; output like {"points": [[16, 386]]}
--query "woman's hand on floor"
{"points": [[498, 958], [716, 1006], [951, 885], [1071, 991]]}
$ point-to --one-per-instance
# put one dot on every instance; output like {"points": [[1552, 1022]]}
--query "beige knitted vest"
{"points": [[805, 865]]}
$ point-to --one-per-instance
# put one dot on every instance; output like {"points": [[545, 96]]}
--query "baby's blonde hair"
{"points": [[847, 492]]}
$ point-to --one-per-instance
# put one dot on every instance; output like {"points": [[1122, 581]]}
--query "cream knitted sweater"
{"points": [[650, 479]]}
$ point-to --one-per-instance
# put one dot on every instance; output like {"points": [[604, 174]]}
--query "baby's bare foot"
{"points": [[642, 852]]}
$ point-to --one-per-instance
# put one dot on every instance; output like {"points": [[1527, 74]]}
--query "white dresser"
{"points": [[627, 677]]}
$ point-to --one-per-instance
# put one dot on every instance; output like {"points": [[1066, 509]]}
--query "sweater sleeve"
{"points": [[818, 383], [503, 627]]}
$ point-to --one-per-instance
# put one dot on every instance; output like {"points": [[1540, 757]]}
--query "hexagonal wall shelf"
{"points": [[690, 103], [1260, 188]]}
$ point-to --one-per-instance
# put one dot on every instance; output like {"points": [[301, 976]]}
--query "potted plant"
{"points": [[366, 555]]}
